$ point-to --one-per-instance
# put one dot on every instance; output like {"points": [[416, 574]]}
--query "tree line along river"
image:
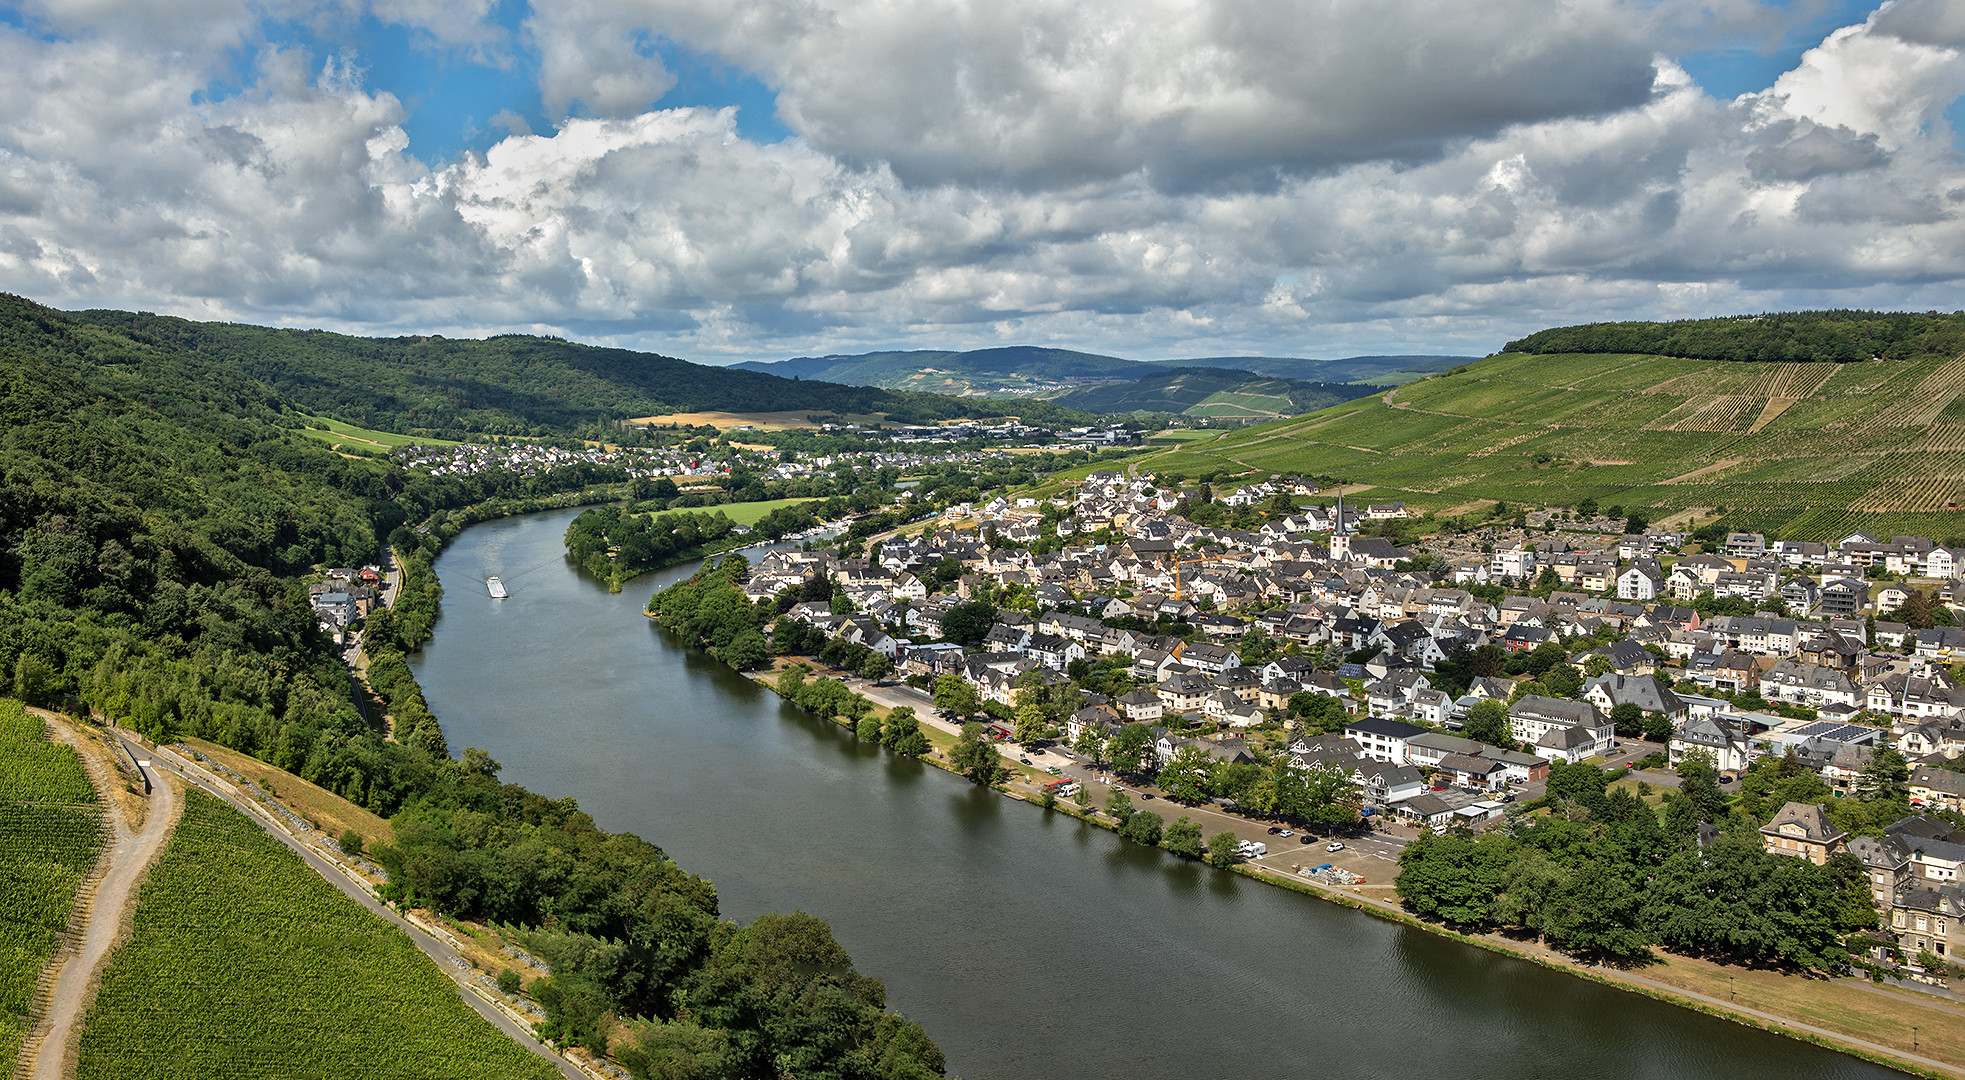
{"points": [[1028, 944]]}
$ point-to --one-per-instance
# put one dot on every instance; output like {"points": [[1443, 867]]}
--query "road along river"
{"points": [[1029, 945]]}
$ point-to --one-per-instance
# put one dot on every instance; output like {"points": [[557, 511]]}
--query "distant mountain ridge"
{"points": [[1045, 372]]}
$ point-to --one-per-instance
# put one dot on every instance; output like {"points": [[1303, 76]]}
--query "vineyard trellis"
{"points": [[269, 966], [51, 834]]}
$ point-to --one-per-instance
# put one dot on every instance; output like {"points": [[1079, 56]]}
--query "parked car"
{"points": [[1306, 838], [1334, 845], [1275, 830], [1287, 832]]}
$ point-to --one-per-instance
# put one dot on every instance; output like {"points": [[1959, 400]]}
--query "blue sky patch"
{"points": [[453, 96], [1744, 67]]}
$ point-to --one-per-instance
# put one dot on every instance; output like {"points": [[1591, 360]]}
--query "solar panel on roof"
{"points": [[1835, 731]]}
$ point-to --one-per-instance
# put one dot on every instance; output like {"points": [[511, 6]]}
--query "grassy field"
{"points": [[242, 962], [1879, 1017], [1799, 450], [748, 513], [1183, 435], [50, 831], [337, 434], [329, 812]]}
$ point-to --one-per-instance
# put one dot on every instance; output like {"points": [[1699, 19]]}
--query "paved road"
{"points": [[125, 859], [447, 959], [1371, 854]]}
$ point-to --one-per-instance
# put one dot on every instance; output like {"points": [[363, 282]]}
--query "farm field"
{"points": [[747, 513], [1799, 450], [50, 833], [242, 962], [1183, 435], [337, 434], [762, 421]]}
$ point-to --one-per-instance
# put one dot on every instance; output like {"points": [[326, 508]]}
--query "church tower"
{"points": [[1340, 537]]}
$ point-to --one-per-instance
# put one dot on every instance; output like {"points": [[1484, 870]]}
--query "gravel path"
{"points": [[126, 858]]}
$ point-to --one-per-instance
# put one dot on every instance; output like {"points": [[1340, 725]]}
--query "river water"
{"points": [[1028, 945]]}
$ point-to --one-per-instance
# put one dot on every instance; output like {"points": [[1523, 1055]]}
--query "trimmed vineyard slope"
{"points": [[1802, 450], [242, 962], [50, 833]]}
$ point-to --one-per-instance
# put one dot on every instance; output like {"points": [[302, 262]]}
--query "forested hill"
{"points": [[514, 384], [156, 521], [1839, 336]]}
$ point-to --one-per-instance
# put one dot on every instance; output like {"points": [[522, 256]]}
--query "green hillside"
{"points": [[512, 384], [1381, 371], [1213, 393], [1803, 450]]}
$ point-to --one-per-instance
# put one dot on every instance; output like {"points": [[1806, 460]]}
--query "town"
{"points": [[1443, 679]]}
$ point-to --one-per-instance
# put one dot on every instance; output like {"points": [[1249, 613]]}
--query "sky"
{"points": [[725, 180]]}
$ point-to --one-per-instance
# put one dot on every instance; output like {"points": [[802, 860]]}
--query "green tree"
{"points": [[1320, 714], [876, 666], [1183, 838], [1143, 827], [1629, 719], [968, 622], [1222, 849], [1563, 681], [1487, 721], [745, 651], [1885, 776], [1132, 748], [1595, 915], [35, 680], [1186, 776], [868, 729], [1030, 723], [1454, 878], [1119, 806], [1699, 786], [956, 696], [1090, 744], [1657, 727], [975, 757]]}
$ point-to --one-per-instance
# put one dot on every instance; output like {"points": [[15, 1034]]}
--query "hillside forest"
{"points": [[156, 517]]}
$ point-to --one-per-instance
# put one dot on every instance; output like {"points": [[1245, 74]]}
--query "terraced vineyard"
{"points": [[50, 833], [243, 963], [1802, 450]]}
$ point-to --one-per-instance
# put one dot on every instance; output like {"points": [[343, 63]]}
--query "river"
{"points": [[1029, 945]]}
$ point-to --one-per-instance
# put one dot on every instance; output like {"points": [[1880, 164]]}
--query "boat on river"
{"points": [[496, 588]]}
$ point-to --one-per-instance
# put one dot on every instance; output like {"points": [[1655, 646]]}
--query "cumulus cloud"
{"points": [[1153, 179], [1059, 92]]}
